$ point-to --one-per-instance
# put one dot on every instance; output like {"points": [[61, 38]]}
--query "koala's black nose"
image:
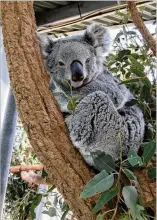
{"points": [[77, 71]]}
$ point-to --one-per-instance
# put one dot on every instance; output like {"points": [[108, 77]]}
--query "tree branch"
{"points": [[17, 169], [136, 17]]}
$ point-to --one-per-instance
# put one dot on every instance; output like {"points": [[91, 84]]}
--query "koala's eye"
{"points": [[88, 60], [61, 63]]}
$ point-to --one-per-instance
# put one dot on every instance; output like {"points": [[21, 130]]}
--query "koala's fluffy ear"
{"points": [[97, 35], [46, 44]]}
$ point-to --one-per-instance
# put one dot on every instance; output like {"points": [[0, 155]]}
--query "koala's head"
{"points": [[76, 59]]}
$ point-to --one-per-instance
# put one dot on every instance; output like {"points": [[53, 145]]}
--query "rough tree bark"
{"points": [[38, 110], [136, 17]]}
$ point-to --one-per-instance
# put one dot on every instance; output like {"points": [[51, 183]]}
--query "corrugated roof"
{"points": [[107, 14]]}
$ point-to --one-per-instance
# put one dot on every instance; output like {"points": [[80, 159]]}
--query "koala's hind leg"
{"points": [[95, 125]]}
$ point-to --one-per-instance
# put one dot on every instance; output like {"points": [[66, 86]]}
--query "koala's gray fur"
{"points": [[101, 112]]}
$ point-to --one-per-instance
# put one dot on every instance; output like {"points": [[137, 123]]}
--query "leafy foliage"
{"points": [[19, 197], [100, 183], [22, 199], [151, 173], [134, 65], [134, 159], [130, 197], [104, 198], [149, 151]]}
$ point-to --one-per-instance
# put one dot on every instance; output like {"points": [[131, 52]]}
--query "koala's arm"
{"points": [[96, 122]]}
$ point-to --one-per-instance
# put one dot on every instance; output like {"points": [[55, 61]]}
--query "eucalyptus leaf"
{"points": [[123, 53], [34, 204], [151, 173], [100, 183], [135, 55], [130, 197], [149, 151], [137, 68], [134, 159], [130, 174], [51, 212], [48, 203], [147, 82], [72, 103], [104, 162], [139, 210], [131, 102], [43, 174], [125, 216], [51, 189], [65, 214], [131, 80], [145, 93], [104, 198], [100, 217]]}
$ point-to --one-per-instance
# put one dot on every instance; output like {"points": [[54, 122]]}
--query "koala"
{"points": [[101, 112]]}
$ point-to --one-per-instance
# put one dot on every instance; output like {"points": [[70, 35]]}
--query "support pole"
{"points": [[6, 143]]}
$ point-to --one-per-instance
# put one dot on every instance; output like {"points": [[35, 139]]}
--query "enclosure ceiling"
{"points": [[67, 17]]}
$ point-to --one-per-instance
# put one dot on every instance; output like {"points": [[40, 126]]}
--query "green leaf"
{"points": [[65, 213], [131, 80], [134, 159], [72, 103], [137, 68], [100, 217], [135, 55], [130, 174], [131, 102], [104, 162], [123, 53], [125, 216], [149, 151], [48, 203], [64, 206], [145, 94], [147, 82], [34, 204], [43, 174], [104, 198], [151, 173], [51, 189], [100, 183], [130, 197], [51, 212], [139, 209]]}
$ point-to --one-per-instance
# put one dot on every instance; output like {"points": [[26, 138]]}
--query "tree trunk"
{"points": [[38, 110]]}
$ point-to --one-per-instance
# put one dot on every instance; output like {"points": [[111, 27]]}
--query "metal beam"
{"points": [[71, 10], [6, 143], [8, 125]]}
